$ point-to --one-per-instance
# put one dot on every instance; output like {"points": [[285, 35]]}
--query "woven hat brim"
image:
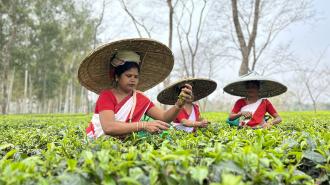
{"points": [[157, 63], [201, 88], [268, 88]]}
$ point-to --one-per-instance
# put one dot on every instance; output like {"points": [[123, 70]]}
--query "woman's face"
{"points": [[252, 90], [129, 80]]}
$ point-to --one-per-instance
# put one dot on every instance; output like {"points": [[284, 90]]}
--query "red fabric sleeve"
{"points": [[106, 101], [238, 105], [270, 108], [150, 106], [182, 115]]}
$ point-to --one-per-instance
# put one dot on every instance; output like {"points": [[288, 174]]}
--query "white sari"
{"points": [[192, 117], [250, 108], [126, 111]]}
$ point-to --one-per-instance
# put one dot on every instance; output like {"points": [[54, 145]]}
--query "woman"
{"points": [[251, 110], [116, 71], [189, 117]]}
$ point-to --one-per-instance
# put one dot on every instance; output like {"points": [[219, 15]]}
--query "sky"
{"points": [[311, 37]]}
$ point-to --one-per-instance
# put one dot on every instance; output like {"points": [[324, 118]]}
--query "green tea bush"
{"points": [[53, 149]]}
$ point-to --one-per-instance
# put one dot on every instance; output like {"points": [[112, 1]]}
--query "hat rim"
{"points": [[89, 76], [238, 87]]}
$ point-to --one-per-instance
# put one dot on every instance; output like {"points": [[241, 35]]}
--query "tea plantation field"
{"points": [[53, 149]]}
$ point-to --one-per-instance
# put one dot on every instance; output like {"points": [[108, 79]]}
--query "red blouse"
{"points": [[183, 114], [108, 101], [258, 116]]}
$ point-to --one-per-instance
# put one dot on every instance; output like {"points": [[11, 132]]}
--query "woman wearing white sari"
{"points": [[189, 118], [118, 72], [251, 110]]}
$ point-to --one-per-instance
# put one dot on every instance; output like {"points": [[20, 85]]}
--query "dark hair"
{"points": [[253, 82], [127, 66]]}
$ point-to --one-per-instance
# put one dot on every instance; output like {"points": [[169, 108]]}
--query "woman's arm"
{"points": [[277, 119], [117, 128], [189, 123], [203, 120], [170, 114], [272, 111], [234, 116], [236, 111], [167, 116]]}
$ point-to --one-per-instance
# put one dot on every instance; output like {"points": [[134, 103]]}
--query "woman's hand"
{"points": [[185, 95], [246, 114], [267, 125], [202, 124], [155, 126]]}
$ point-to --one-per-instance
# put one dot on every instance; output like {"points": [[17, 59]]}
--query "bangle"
{"points": [[143, 125]]}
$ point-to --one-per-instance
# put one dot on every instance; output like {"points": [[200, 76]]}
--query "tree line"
{"points": [[43, 42]]}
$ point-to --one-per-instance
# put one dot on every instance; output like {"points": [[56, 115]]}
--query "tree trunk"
{"points": [[43, 96], [10, 90], [26, 74], [88, 104], [4, 89], [82, 100], [204, 104], [7, 58], [30, 96], [5, 66], [59, 108], [73, 98], [170, 22], [314, 106], [244, 68], [244, 47], [49, 105], [167, 81], [66, 101], [193, 66], [70, 97], [311, 95]]}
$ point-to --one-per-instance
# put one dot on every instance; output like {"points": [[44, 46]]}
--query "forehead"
{"points": [[132, 71]]}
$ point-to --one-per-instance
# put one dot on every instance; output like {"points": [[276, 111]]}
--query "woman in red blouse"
{"points": [[251, 110], [120, 105], [189, 117]]}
